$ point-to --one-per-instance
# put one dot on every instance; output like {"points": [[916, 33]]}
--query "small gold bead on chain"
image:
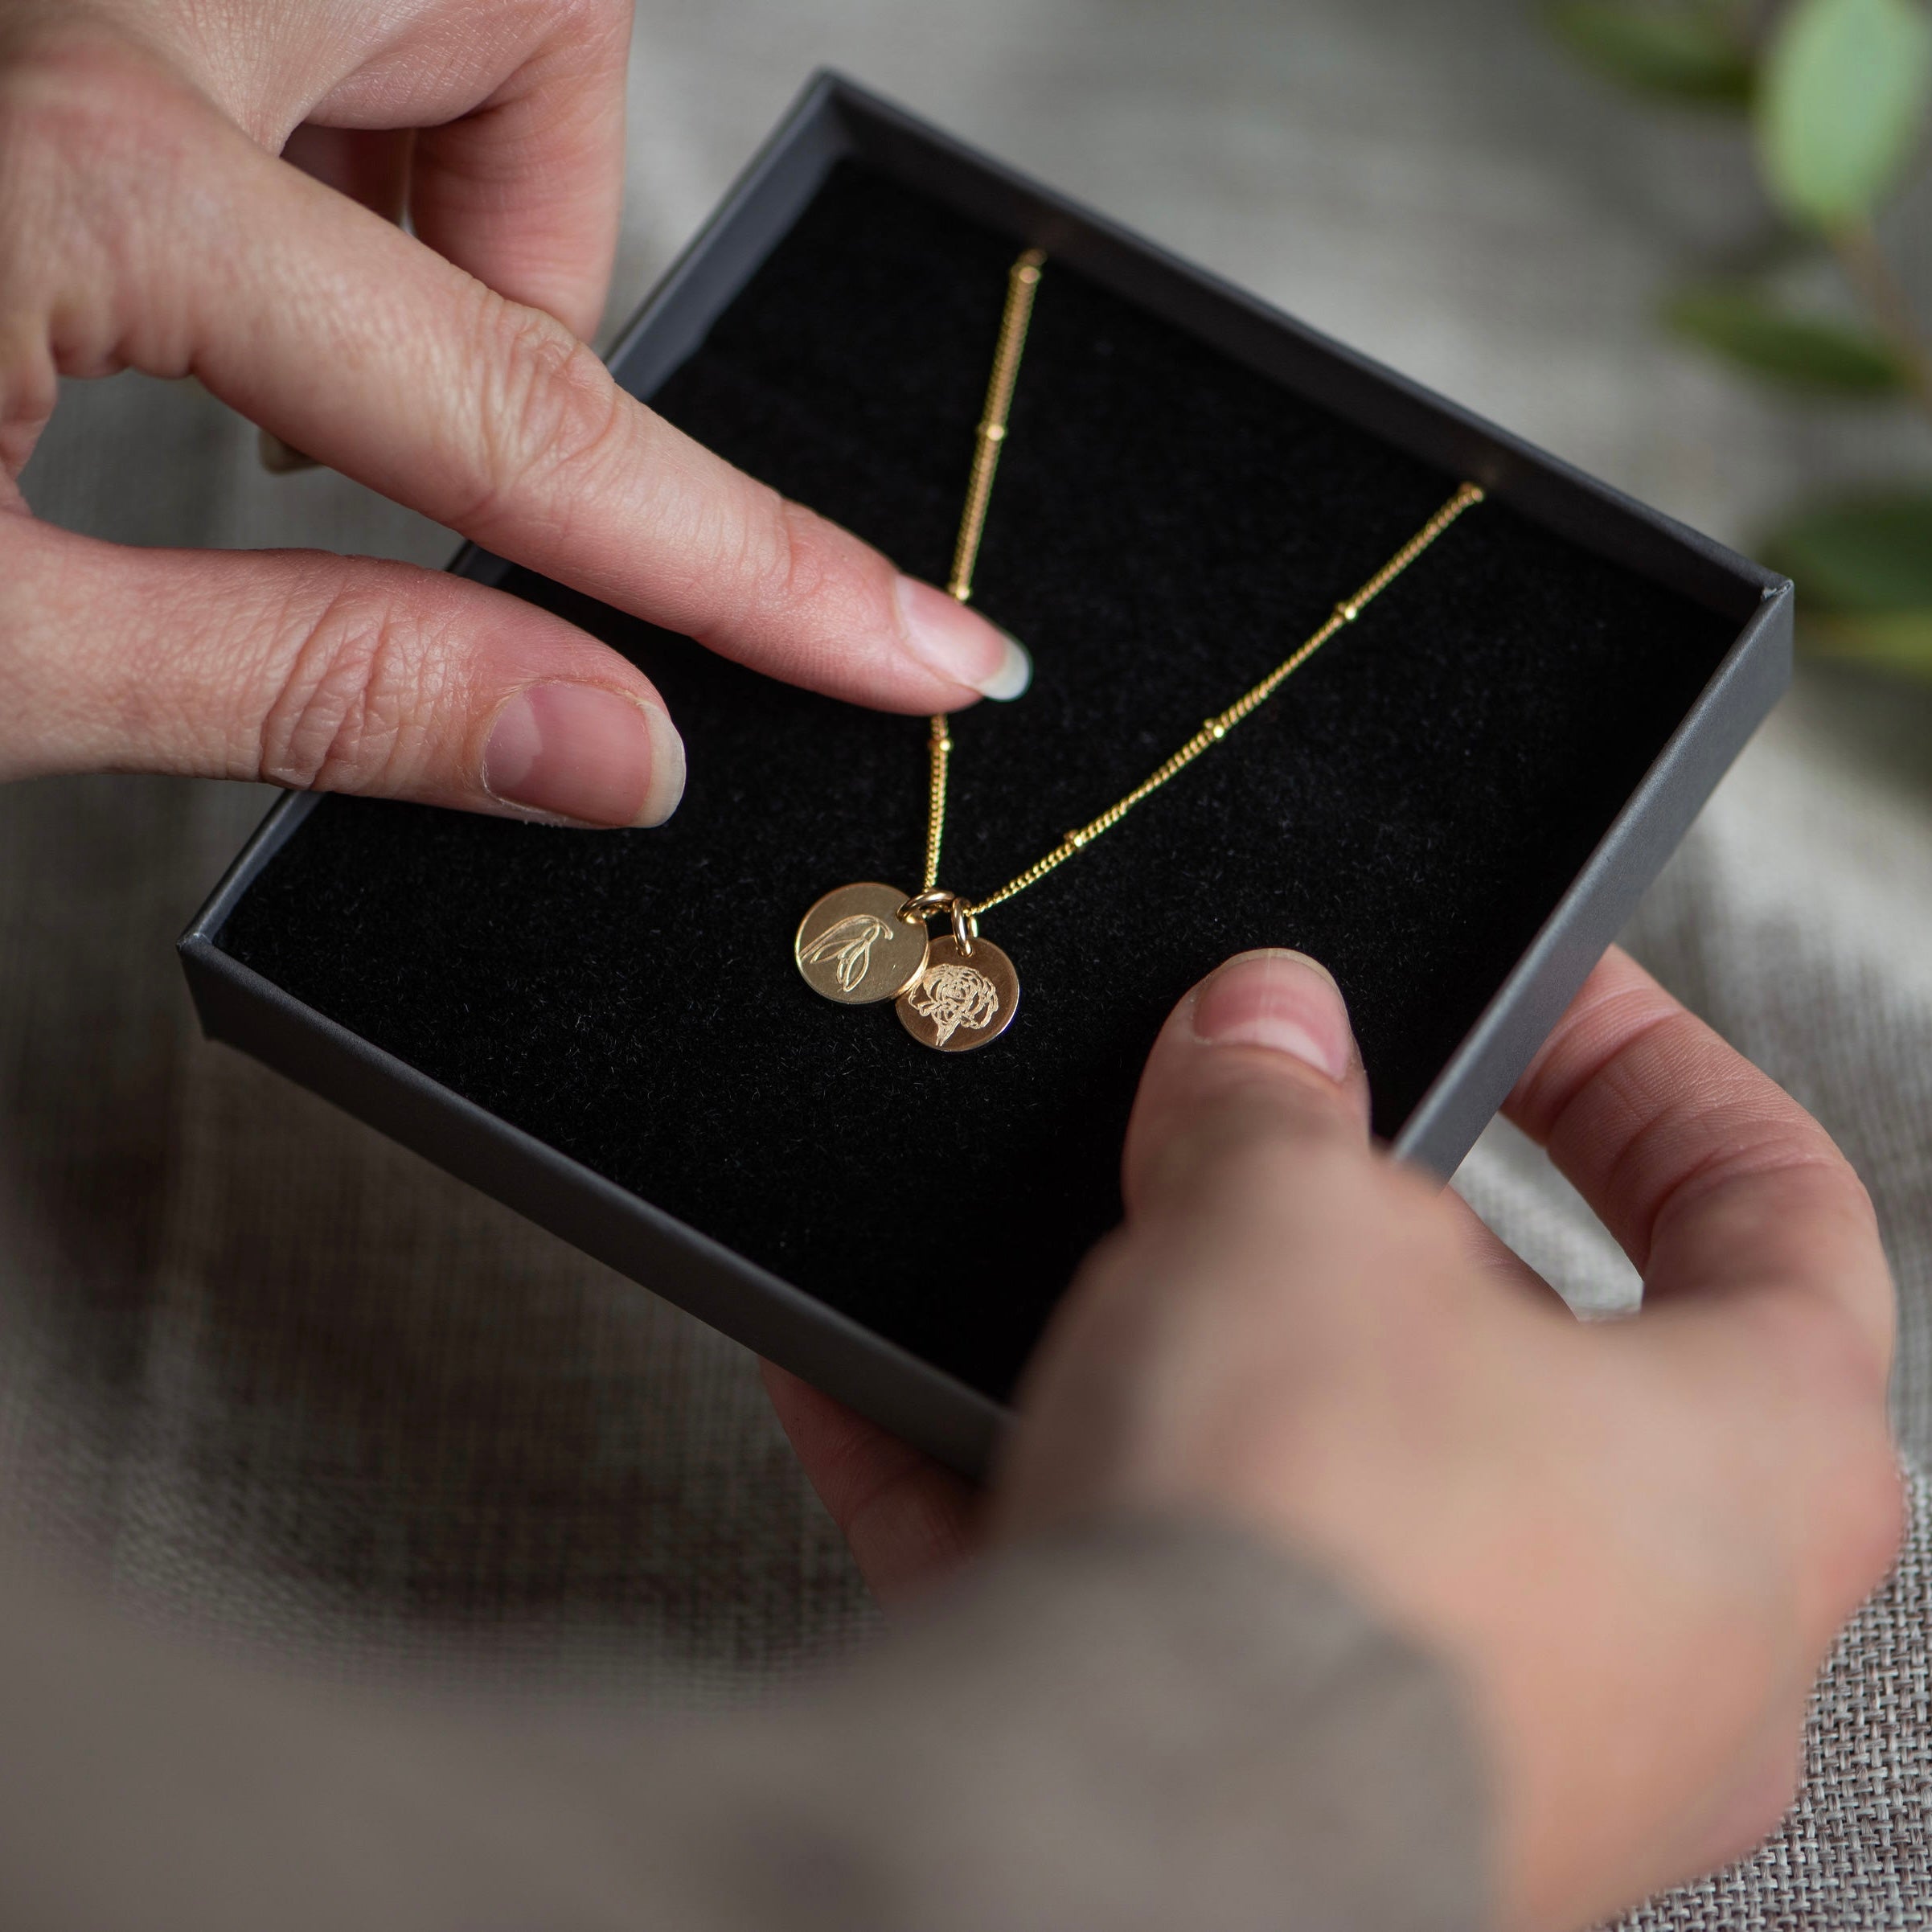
{"points": [[992, 433]]}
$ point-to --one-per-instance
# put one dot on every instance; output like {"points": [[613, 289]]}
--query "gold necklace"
{"points": [[865, 943]]}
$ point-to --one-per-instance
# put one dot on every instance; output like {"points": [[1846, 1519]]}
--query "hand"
{"points": [[1634, 1541], [145, 220]]}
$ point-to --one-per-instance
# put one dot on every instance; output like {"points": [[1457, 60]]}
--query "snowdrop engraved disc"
{"points": [[853, 947]]}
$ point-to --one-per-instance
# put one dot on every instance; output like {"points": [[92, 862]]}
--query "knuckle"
{"points": [[83, 102], [1264, 1160], [344, 715], [95, 133], [601, 27], [1829, 1185], [1794, 1162], [737, 544], [1257, 1192], [42, 132], [1268, 1142], [785, 560], [550, 417], [1220, 1159], [903, 1515]]}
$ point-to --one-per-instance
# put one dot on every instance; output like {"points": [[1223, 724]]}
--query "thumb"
{"points": [[1259, 1056], [341, 674], [1248, 1189]]}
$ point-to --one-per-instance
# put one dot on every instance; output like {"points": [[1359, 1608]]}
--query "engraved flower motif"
{"points": [[952, 996], [848, 946]]}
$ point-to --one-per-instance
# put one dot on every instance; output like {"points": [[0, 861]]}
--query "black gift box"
{"points": [[1455, 805]]}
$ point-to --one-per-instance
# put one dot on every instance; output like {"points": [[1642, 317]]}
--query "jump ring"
{"points": [[922, 905], [965, 928]]}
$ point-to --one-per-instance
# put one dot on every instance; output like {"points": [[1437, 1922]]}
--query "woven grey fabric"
{"points": [[1853, 1852], [1135, 1726], [280, 1378], [275, 1377]]}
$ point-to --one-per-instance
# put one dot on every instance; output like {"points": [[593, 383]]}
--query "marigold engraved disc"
{"points": [[961, 1001], [853, 947]]}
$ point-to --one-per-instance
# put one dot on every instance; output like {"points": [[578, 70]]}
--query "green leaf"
{"points": [[1899, 641], [1750, 328], [1686, 52], [1842, 102], [1867, 557]]}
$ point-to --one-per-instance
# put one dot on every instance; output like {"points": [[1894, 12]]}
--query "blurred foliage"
{"points": [[1834, 96], [1690, 53], [1841, 105], [1865, 564], [1815, 352], [1864, 555]]}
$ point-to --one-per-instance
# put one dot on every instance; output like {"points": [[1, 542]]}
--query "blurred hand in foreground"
{"points": [[1634, 1542], [145, 221]]}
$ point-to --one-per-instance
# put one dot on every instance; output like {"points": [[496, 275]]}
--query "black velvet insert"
{"points": [[1167, 525]]}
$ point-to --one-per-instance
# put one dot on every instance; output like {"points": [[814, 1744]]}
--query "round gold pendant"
{"points": [[961, 1000], [853, 947]]}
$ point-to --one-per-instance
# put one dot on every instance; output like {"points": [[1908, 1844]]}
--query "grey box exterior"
{"points": [[956, 1423]]}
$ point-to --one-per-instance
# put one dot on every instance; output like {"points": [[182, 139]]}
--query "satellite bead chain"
{"points": [[864, 943], [1217, 728], [1023, 278]]}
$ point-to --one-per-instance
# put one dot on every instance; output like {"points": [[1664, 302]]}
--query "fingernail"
{"points": [[1280, 1000], [954, 643], [584, 752]]}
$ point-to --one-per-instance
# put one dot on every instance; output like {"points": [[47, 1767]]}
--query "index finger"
{"points": [[1711, 1178], [187, 248]]}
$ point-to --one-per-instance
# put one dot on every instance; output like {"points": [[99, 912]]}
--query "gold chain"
{"points": [[1021, 282], [1217, 728], [1023, 278]]}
